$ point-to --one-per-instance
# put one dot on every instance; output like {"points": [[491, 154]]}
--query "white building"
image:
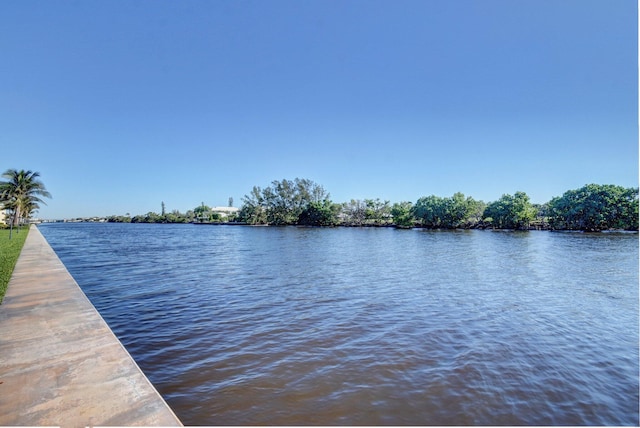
{"points": [[225, 211]]}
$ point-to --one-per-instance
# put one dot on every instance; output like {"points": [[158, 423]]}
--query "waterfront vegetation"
{"points": [[20, 195], [21, 192], [9, 252], [201, 214], [302, 202]]}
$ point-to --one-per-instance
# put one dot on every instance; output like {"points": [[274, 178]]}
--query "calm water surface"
{"points": [[255, 325]]}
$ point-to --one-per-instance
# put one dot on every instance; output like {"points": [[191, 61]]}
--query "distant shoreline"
{"points": [[392, 226]]}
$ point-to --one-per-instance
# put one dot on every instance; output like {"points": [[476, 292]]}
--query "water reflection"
{"points": [[285, 326]]}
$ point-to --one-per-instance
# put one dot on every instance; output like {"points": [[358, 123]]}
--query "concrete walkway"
{"points": [[60, 364]]}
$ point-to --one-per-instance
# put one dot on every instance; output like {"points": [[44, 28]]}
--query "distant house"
{"points": [[3, 215], [225, 211]]}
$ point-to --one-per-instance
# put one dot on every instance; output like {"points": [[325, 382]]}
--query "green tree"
{"points": [[476, 214], [377, 212], [253, 210], [21, 193], [319, 213], [448, 213], [203, 213], [629, 209], [149, 217], [282, 202], [430, 210], [402, 213], [119, 219], [176, 216], [458, 211], [279, 203], [595, 207], [511, 212]]}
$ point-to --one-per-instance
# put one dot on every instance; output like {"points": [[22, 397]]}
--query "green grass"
{"points": [[9, 252]]}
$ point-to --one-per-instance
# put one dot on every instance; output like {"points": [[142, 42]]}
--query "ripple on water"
{"points": [[292, 326]]}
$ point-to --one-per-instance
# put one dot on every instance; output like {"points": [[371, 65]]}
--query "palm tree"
{"points": [[21, 193]]}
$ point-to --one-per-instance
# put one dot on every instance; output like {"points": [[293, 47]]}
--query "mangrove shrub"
{"points": [[595, 207]]}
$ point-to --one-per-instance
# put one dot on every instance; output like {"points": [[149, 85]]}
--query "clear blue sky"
{"points": [[121, 105]]}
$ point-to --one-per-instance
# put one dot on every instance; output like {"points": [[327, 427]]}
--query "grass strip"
{"points": [[9, 252]]}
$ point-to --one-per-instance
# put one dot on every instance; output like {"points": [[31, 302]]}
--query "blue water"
{"points": [[263, 325]]}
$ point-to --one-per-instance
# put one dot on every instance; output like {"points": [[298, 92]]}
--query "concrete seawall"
{"points": [[60, 364]]}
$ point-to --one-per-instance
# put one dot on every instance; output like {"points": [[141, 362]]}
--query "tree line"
{"points": [[593, 207], [303, 202], [200, 214]]}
